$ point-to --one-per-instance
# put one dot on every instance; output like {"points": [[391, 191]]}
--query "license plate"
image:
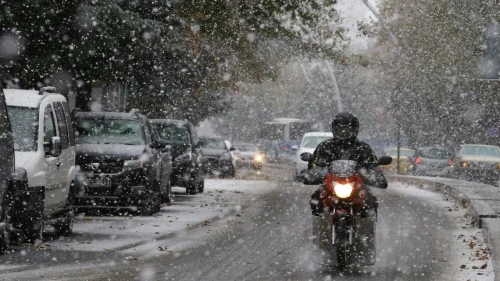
{"points": [[100, 182]]}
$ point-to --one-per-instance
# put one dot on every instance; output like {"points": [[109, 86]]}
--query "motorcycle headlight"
{"points": [[225, 156], [259, 158], [343, 190]]}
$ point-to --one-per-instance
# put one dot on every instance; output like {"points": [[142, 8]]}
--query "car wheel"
{"points": [[34, 226], [201, 186], [8, 207], [192, 187], [65, 226], [167, 197], [152, 202]]}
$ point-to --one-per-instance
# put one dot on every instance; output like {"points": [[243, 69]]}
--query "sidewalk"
{"points": [[482, 200]]}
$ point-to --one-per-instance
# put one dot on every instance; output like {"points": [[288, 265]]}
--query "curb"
{"points": [[484, 216]]}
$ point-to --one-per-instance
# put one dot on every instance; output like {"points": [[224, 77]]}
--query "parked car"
{"points": [[233, 153], [7, 168], [45, 155], [476, 162], [188, 164], [248, 155], [217, 156], [308, 144], [405, 162], [431, 161], [121, 162]]}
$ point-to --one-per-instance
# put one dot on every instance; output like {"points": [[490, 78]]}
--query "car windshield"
{"points": [[435, 154], [489, 151], [402, 153], [108, 131], [313, 142], [212, 143], [24, 122], [245, 148], [172, 133]]}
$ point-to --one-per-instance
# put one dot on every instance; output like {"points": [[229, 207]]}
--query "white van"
{"points": [[44, 145], [309, 143]]}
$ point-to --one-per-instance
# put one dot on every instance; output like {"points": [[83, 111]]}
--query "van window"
{"points": [[63, 125], [49, 125], [24, 122]]}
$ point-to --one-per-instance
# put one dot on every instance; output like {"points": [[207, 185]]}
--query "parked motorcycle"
{"points": [[345, 229]]}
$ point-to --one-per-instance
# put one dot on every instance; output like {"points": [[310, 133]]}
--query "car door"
{"points": [[165, 160], [195, 148], [67, 157], [52, 164], [154, 151]]}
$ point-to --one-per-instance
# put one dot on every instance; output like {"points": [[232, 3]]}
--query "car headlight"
{"points": [[343, 190], [259, 158], [464, 164], [186, 157], [225, 156], [135, 164]]}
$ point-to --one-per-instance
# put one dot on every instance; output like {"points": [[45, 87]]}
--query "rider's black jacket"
{"points": [[354, 149]]}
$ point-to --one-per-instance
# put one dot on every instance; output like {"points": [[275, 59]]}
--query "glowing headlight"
{"points": [[343, 190], [465, 164], [259, 158]]}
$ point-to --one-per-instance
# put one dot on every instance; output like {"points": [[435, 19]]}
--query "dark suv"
{"points": [[6, 170], [121, 162], [188, 170]]}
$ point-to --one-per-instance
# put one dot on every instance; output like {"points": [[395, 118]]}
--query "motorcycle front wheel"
{"points": [[341, 240]]}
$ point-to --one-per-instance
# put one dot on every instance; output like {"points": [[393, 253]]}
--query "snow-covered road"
{"points": [[247, 229]]}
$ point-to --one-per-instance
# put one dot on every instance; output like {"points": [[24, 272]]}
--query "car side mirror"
{"points": [[232, 148], [306, 156], [295, 147], [54, 147], [385, 160]]}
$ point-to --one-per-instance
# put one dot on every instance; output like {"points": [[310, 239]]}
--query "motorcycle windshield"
{"points": [[343, 168]]}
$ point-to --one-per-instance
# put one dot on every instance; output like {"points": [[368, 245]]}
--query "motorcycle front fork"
{"points": [[350, 231]]}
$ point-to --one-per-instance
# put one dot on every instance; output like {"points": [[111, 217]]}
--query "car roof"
{"points": [[212, 138], [109, 115], [28, 98], [169, 121], [401, 148], [485, 145], [318, 134], [244, 143]]}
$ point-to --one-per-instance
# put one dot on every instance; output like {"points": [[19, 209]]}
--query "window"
{"points": [[213, 144], [49, 125], [24, 122], [108, 131], [173, 133], [63, 125], [313, 142], [70, 126]]}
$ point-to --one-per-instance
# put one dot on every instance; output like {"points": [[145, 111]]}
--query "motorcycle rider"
{"points": [[344, 146]]}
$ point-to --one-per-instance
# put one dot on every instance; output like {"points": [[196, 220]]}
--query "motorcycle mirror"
{"points": [[385, 160], [306, 156]]}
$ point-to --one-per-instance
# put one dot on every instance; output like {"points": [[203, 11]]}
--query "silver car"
{"points": [[431, 161], [477, 163]]}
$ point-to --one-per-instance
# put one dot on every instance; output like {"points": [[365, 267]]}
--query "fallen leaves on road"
{"points": [[130, 258], [463, 266], [122, 228]]}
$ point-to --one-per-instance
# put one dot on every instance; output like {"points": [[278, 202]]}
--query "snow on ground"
{"points": [[473, 260], [141, 235]]}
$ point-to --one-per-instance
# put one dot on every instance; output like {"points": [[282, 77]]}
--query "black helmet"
{"points": [[345, 126]]}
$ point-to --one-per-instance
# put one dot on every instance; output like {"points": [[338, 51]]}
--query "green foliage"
{"points": [[179, 57]]}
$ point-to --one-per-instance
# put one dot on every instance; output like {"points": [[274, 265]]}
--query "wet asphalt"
{"points": [[270, 240]]}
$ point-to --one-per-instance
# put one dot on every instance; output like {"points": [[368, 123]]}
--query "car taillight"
{"points": [[418, 160], [450, 162]]}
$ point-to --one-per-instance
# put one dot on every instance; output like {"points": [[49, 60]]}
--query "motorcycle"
{"points": [[345, 227]]}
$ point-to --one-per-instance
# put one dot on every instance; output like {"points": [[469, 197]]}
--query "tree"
{"points": [[434, 73]]}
